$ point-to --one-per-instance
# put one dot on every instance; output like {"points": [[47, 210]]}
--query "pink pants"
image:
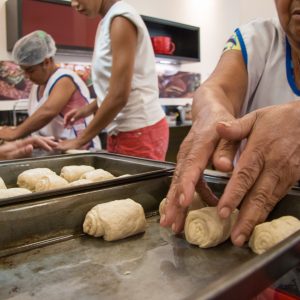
{"points": [[148, 142]]}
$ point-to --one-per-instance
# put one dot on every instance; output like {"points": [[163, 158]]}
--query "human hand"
{"points": [[23, 148], [193, 157], [8, 133], [268, 166], [69, 144], [71, 117]]}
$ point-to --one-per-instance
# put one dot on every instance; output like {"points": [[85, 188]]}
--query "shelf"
{"points": [[185, 37]]}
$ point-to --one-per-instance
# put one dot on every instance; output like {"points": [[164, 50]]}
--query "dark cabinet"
{"points": [[73, 31], [185, 37]]}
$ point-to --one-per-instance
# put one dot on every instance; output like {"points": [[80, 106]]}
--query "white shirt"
{"points": [[267, 54], [143, 107], [79, 98]]}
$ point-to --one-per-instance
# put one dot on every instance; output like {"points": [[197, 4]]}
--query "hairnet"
{"points": [[33, 48]]}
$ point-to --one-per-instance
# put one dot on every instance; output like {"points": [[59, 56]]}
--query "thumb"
{"points": [[238, 129]]}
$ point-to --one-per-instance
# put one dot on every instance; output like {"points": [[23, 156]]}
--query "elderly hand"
{"points": [[268, 166], [193, 157], [23, 148]]}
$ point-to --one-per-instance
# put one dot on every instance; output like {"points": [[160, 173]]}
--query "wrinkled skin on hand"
{"points": [[193, 157], [268, 166]]}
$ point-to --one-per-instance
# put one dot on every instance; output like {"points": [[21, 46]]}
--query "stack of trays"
{"points": [[154, 265]]}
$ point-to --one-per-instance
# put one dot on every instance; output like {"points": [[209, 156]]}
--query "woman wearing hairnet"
{"points": [[126, 84], [55, 92]]}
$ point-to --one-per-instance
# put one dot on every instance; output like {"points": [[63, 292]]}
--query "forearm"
{"points": [[104, 115], [89, 109], [35, 122]]}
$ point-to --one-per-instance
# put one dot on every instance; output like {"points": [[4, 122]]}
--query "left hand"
{"points": [[8, 133], [267, 168]]}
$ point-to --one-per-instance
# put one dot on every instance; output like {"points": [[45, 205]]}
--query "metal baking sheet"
{"points": [[116, 164], [154, 265]]}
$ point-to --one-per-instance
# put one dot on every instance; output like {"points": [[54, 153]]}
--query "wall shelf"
{"points": [[185, 37]]}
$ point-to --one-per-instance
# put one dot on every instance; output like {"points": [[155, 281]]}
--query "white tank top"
{"points": [[79, 98], [143, 107], [267, 54]]}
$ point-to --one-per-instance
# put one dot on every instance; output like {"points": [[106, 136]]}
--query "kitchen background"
{"points": [[216, 19]]}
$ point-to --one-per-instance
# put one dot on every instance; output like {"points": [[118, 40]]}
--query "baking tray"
{"points": [[154, 265], [116, 164]]}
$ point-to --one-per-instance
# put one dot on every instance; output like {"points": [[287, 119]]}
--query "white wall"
{"points": [[216, 18]]}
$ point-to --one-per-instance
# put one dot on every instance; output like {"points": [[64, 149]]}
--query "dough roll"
{"points": [[115, 220], [204, 227], [50, 182], [97, 175], [29, 178], [13, 192], [80, 182], [2, 184], [73, 173], [268, 234], [197, 203]]}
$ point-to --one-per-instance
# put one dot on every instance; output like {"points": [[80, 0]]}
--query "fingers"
{"points": [[46, 143], [20, 151], [237, 130], [257, 206], [224, 155], [206, 193]]}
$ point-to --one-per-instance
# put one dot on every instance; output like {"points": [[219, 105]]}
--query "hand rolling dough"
{"points": [[73, 173], [50, 182], [268, 234], [29, 178], [2, 184], [204, 227], [13, 192], [115, 220], [197, 203], [97, 175]]}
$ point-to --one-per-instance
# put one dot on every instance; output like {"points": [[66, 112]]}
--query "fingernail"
{"points": [[225, 212], [181, 199], [240, 240], [226, 124]]}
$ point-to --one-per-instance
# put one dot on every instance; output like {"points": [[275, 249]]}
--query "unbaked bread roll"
{"points": [[73, 173], [13, 192], [97, 175], [76, 151], [204, 227], [80, 182], [29, 178], [268, 234], [115, 220], [2, 184], [197, 203], [50, 182]]}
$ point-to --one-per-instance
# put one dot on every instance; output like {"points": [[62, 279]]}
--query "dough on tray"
{"points": [[97, 175], [268, 234], [2, 184], [197, 203], [50, 182], [29, 178], [76, 151], [204, 227], [13, 192], [73, 173], [80, 182], [115, 220]]}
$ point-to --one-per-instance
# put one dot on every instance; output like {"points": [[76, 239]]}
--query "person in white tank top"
{"points": [[55, 92], [252, 97], [126, 84]]}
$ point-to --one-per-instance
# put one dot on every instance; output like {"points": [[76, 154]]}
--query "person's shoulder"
{"points": [[265, 27]]}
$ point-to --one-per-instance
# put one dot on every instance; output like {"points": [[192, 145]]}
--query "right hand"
{"points": [[72, 116]]}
